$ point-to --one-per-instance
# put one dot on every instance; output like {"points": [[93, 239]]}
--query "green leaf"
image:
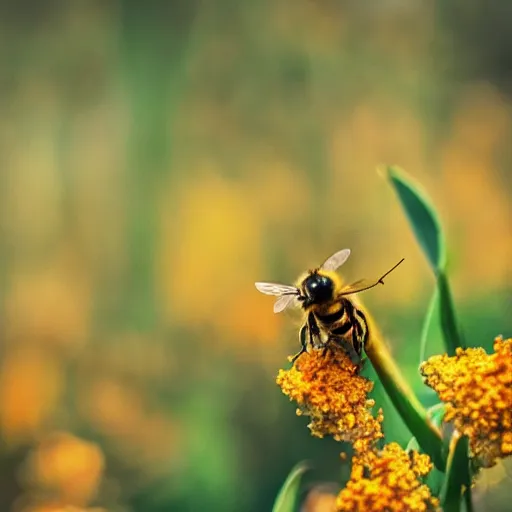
{"points": [[457, 479], [435, 480], [412, 445], [286, 500], [426, 324], [436, 414], [427, 228], [422, 216]]}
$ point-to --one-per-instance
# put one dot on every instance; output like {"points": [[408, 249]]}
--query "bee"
{"points": [[330, 315]]}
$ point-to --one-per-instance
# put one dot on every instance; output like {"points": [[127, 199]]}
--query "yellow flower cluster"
{"points": [[329, 390], [388, 480], [477, 388]]}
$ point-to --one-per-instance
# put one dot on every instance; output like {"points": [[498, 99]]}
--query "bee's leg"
{"points": [[356, 340], [358, 343], [302, 337], [362, 336], [314, 330], [349, 349]]}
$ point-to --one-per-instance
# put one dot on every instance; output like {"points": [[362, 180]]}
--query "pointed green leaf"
{"points": [[286, 500], [457, 479], [422, 216], [426, 226]]}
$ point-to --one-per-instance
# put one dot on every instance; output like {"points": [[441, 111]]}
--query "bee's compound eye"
{"points": [[319, 288], [311, 285]]}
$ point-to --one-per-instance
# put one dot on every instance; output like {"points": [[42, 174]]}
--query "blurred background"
{"points": [[157, 158]]}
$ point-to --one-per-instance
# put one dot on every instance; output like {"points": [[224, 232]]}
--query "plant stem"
{"points": [[468, 500], [405, 401], [451, 331]]}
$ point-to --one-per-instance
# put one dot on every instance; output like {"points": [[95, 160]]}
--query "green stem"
{"points": [[457, 481], [405, 401], [468, 500], [426, 324], [451, 332]]}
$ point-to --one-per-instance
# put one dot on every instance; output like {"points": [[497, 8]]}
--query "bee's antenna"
{"points": [[353, 288], [381, 279]]}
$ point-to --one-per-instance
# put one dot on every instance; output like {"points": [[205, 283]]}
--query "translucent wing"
{"points": [[336, 260], [276, 289], [283, 302], [359, 286], [286, 294]]}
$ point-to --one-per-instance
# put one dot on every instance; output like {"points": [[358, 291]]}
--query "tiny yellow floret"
{"points": [[330, 391], [388, 480], [477, 388]]}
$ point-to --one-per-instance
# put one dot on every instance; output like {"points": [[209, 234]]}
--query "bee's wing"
{"points": [[276, 289], [283, 302], [336, 260], [286, 294]]}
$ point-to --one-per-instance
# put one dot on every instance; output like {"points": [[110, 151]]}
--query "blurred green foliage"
{"points": [[159, 158]]}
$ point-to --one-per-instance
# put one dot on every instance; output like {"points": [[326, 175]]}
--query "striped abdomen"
{"points": [[341, 319]]}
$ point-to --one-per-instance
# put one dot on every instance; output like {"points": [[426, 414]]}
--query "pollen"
{"points": [[477, 388], [330, 391], [390, 480]]}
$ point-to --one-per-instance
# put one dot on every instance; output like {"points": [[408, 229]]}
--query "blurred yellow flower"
{"points": [[477, 388], [219, 236], [330, 391], [388, 480]]}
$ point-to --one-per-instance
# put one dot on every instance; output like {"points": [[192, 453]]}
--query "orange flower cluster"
{"points": [[477, 388], [329, 390], [388, 480]]}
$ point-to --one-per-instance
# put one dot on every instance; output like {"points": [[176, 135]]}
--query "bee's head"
{"points": [[317, 288]]}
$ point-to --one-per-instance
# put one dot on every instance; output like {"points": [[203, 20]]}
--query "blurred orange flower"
{"points": [[321, 498], [69, 467], [142, 435], [30, 385], [59, 508]]}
